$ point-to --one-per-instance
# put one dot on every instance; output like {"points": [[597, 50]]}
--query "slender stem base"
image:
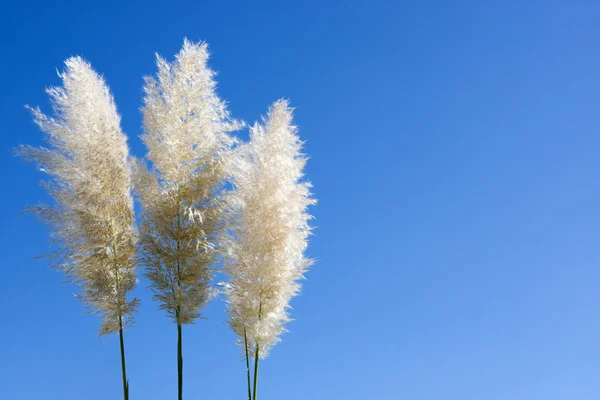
{"points": [[247, 364], [123, 370], [255, 372], [179, 364]]}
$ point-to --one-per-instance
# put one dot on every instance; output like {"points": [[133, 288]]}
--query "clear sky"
{"points": [[454, 152]]}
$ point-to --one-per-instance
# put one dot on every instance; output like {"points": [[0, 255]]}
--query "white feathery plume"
{"points": [[186, 132], [270, 232], [92, 220]]}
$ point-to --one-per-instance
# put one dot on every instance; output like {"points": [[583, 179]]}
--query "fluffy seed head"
{"points": [[186, 132], [92, 217], [270, 231]]}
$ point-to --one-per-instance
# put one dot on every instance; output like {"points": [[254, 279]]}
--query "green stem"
{"points": [[256, 354], [247, 364], [123, 370], [255, 372], [121, 342], [179, 364], [178, 313]]}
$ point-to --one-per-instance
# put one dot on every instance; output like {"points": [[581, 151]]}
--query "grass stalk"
{"points": [[179, 364], [123, 369]]}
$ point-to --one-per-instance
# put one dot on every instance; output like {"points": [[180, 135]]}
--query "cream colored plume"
{"points": [[92, 219], [270, 231], [186, 132]]}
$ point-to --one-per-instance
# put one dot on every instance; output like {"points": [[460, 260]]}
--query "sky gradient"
{"points": [[454, 153]]}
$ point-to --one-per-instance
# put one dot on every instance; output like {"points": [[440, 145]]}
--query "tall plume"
{"points": [[186, 132], [270, 233], [92, 219]]}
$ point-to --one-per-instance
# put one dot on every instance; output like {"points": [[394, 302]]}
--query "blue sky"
{"points": [[454, 153]]}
